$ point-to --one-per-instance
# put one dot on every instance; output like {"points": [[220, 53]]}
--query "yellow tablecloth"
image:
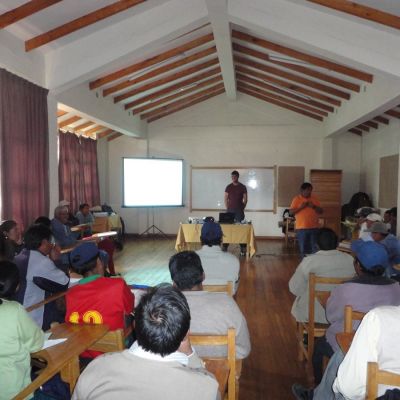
{"points": [[233, 233]]}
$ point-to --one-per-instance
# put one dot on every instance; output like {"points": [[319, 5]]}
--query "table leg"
{"points": [[70, 373]]}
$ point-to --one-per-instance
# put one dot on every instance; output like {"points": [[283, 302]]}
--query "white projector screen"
{"points": [[152, 182]]}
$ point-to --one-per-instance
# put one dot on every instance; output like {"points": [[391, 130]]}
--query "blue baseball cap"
{"points": [[211, 231], [370, 253], [83, 254]]}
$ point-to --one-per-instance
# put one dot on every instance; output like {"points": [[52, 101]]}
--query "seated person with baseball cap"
{"points": [[96, 299], [219, 267], [367, 290], [367, 223]]}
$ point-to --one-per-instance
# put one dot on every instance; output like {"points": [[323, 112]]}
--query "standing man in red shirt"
{"points": [[235, 202], [306, 208]]}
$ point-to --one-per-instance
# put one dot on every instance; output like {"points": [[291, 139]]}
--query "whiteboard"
{"points": [[207, 187]]}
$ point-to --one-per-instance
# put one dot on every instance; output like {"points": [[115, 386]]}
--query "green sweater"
{"points": [[19, 336]]}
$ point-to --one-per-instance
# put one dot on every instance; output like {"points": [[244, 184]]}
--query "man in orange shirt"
{"points": [[306, 207]]}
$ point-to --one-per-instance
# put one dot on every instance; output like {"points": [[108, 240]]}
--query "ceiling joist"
{"points": [[68, 121]]}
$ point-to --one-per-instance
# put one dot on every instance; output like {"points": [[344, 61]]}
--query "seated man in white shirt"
{"points": [[212, 313], [219, 267], [369, 220], [327, 261], [159, 365]]}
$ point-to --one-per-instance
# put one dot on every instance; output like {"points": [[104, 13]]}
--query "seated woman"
{"points": [[19, 336], [12, 233]]}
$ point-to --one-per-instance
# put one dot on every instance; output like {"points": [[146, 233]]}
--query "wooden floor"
{"points": [[264, 298]]}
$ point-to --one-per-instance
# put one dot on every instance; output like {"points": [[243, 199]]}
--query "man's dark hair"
{"points": [[327, 239], [393, 212], [162, 320], [306, 185], [186, 270], [9, 279], [377, 270], [43, 220], [83, 205], [236, 173], [35, 235]]}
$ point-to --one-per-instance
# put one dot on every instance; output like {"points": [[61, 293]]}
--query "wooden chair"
{"points": [[224, 369], [290, 234], [228, 288], [350, 316], [311, 328], [376, 376]]}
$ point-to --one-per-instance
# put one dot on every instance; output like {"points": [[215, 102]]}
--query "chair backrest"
{"points": [[228, 288], [349, 316], [376, 376], [219, 340], [111, 341]]}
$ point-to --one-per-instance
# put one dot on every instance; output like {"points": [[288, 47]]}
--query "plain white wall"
{"points": [[218, 133]]}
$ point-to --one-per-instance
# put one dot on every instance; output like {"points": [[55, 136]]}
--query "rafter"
{"points": [[371, 124], [79, 23], [182, 93], [192, 103], [298, 68], [279, 103], [381, 119], [105, 133], [160, 70], [23, 11], [303, 99], [393, 113], [182, 102], [84, 125], [356, 131], [167, 79], [60, 113], [174, 87], [361, 11], [303, 56], [151, 61], [94, 130], [363, 127], [114, 136], [69, 121], [292, 77], [282, 99], [288, 85]]}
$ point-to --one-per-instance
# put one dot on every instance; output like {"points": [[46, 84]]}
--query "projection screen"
{"points": [[152, 182]]}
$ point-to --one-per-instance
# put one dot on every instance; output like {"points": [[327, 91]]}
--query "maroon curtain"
{"points": [[77, 170], [24, 148]]}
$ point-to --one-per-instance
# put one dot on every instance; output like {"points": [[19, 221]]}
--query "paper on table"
{"points": [[52, 342]]}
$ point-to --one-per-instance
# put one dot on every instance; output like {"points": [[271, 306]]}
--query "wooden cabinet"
{"points": [[327, 187]]}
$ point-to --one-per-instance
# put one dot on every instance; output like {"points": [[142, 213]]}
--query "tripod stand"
{"points": [[156, 230]]}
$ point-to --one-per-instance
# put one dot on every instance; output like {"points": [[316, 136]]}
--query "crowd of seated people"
{"points": [[162, 318]]}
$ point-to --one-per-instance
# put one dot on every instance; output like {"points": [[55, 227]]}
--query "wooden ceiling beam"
{"points": [[192, 103], [381, 119], [361, 11], [303, 99], [160, 70], [298, 68], [393, 113], [114, 136], [289, 85], [371, 124], [363, 127], [282, 99], [292, 77], [151, 61], [182, 93], [79, 23], [60, 113], [24, 10], [320, 62], [356, 131], [105, 133], [68, 121], [167, 79], [182, 102], [84, 125], [174, 87], [94, 130], [279, 103]]}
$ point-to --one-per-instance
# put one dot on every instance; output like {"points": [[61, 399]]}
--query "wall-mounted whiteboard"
{"points": [[207, 187]]}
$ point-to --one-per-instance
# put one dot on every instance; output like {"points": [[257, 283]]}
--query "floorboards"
{"points": [[264, 298]]}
